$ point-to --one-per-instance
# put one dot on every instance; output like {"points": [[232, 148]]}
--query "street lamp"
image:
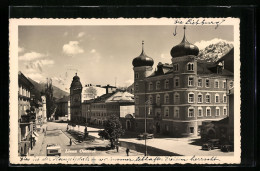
{"points": [[145, 133]]}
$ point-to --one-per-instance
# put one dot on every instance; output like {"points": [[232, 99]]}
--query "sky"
{"points": [[102, 54]]}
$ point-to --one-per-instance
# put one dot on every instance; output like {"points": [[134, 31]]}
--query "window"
{"points": [[216, 98], [191, 97], [217, 111], [190, 66], [207, 83], [192, 130], [200, 82], [176, 98], [224, 98], [231, 84], [149, 111], [136, 75], [158, 85], [136, 100], [208, 111], [151, 99], [166, 112], [216, 84], [224, 84], [176, 67], [224, 111], [199, 98], [166, 84], [176, 82], [176, 112], [200, 112], [191, 112], [136, 87], [166, 128], [150, 86], [166, 99], [207, 98], [158, 99], [190, 81]]}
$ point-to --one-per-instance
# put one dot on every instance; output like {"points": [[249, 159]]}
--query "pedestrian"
{"points": [[117, 148], [67, 127], [70, 141], [127, 151]]}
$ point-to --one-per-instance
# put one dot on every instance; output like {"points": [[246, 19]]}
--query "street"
{"points": [[56, 133]]}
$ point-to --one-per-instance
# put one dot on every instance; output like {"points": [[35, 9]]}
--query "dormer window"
{"points": [[190, 66], [158, 85], [150, 86], [176, 67]]}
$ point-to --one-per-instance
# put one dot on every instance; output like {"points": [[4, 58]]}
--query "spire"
{"points": [[142, 46], [184, 36], [76, 74]]}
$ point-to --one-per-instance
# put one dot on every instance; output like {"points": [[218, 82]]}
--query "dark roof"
{"points": [[185, 48], [222, 121], [22, 79], [228, 60], [210, 68], [142, 59], [162, 69]]}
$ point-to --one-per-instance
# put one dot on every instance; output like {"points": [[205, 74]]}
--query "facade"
{"points": [[25, 120], [177, 97], [62, 109], [75, 99]]}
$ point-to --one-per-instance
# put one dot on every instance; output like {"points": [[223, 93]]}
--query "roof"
{"points": [[24, 80], [121, 97], [162, 69], [228, 60], [103, 98], [210, 68], [222, 121]]}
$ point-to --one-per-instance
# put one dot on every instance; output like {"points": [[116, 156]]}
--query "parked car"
{"points": [[227, 148], [211, 144], [147, 135], [53, 150]]}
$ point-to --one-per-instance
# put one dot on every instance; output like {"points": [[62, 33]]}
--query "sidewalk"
{"points": [[38, 145]]}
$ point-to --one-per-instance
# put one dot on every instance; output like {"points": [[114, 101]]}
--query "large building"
{"points": [[62, 109], [75, 100], [177, 97], [25, 120]]}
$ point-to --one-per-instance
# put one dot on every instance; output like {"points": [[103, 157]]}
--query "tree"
{"points": [[112, 131], [50, 105], [92, 92]]}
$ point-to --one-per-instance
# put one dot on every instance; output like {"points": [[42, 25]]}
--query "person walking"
{"points": [[70, 141], [127, 151], [117, 148]]}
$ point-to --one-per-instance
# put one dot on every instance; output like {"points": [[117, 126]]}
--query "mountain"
{"points": [[39, 87], [214, 52]]}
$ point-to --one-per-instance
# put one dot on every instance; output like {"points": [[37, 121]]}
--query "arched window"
{"points": [[191, 112], [200, 112], [166, 111], [217, 111], [200, 98], [166, 99], [190, 81], [200, 82], [166, 84], [208, 111], [190, 66], [217, 98], [158, 85], [150, 86], [216, 84], [224, 111], [151, 99], [207, 97], [158, 99], [176, 82], [176, 98], [136, 75], [136, 87], [224, 84], [176, 113], [224, 98], [191, 97]]}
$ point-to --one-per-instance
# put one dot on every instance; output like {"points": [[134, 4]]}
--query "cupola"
{"points": [[142, 59]]}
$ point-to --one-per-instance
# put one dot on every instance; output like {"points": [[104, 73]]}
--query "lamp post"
{"points": [[145, 133]]}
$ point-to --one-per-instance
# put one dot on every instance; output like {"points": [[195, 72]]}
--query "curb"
{"points": [[68, 137]]}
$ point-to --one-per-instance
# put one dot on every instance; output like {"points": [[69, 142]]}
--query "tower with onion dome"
{"points": [[75, 99], [143, 67]]}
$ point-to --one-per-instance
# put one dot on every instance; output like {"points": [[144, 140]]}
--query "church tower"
{"points": [[143, 67], [75, 99]]}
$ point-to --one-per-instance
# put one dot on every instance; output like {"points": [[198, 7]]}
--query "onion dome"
{"points": [[142, 59], [184, 48], [76, 81]]}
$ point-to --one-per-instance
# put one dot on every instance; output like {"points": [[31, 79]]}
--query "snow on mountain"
{"points": [[215, 50]]}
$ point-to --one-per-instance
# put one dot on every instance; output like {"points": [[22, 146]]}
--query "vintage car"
{"points": [[147, 135], [53, 150], [211, 144], [227, 148]]}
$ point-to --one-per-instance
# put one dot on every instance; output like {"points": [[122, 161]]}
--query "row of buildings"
{"points": [[175, 99], [31, 115]]}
